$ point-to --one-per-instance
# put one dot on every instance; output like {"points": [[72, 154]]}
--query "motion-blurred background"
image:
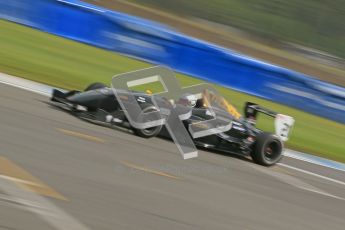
{"points": [[303, 36], [288, 33]]}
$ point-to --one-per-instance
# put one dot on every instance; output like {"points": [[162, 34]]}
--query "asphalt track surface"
{"points": [[103, 178]]}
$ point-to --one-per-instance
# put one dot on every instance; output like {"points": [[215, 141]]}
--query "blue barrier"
{"points": [[160, 44]]}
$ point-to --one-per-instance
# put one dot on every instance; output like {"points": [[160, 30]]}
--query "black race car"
{"points": [[98, 103]]}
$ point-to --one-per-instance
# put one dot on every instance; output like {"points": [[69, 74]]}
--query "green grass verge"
{"points": [[59, 62]]}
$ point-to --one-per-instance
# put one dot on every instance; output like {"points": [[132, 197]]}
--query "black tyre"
{"points": [[268, 149], [149, 132], [94, 86]]}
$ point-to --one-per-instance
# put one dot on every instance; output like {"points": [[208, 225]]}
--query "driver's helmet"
{"points": [[188, 100]]}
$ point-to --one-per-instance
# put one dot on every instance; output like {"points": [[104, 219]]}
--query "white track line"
{"points": [[313, 174], [293, 181], [19, 180], [27, 85]]}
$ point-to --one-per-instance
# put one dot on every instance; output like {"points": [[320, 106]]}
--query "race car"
{"points": [[99, 104]]}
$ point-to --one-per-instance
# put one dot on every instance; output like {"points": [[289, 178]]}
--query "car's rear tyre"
{"points": [[149, 132], [94, 86], [268, 149]]}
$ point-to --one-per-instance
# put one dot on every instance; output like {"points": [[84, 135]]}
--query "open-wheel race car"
{"points": [[98, 103]]}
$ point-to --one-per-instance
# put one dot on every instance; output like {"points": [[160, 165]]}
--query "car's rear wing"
{"points": [[251, 110], [282, 123]]}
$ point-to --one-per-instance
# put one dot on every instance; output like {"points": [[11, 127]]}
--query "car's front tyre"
{"points": [[149, 132]]}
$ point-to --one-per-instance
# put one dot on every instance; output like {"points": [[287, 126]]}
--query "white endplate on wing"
{"points": [[283, 125]]}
